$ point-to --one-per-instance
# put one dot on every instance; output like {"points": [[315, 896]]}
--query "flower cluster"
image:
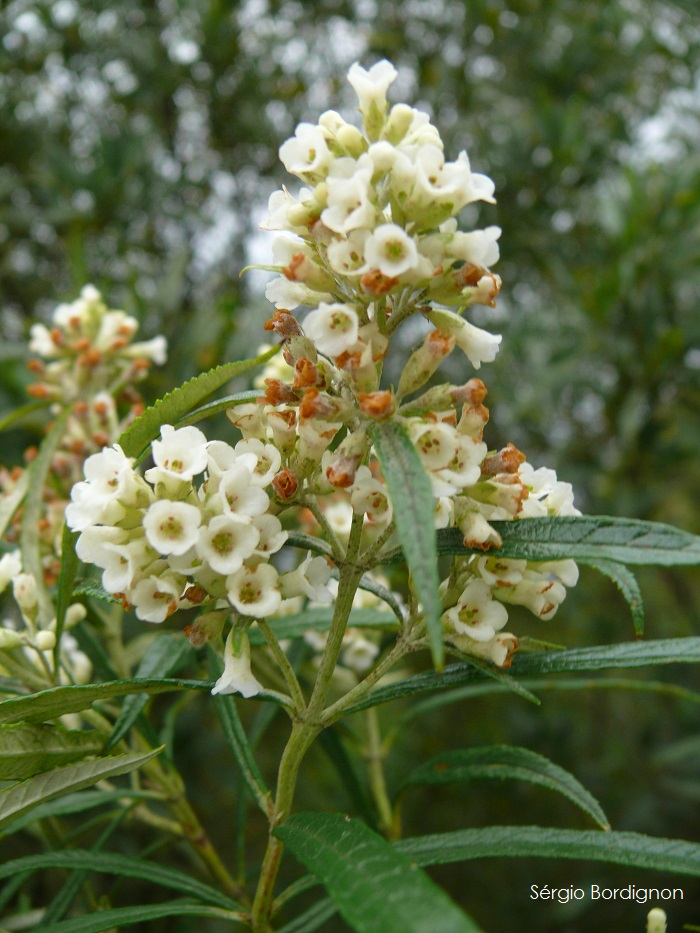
{"points": [[163, 542], [90, 351], [371, 239]]}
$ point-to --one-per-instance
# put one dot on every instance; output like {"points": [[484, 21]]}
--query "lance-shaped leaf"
{"points": [[32, 513], [375, 888], [626, 582], [174, 406], [17, 414], [506, 762], [126, 866], [217, 406], [243, 753], [69, 569], [164, 656], [20, 798], [632, 849], [78, 803], [626, 655], [319, 619], [586, 539], [57, 701], [123, 917], [412, 498], [27, 749]]}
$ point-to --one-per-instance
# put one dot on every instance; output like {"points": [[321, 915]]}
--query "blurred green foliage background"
{"points": [[138, 147]]}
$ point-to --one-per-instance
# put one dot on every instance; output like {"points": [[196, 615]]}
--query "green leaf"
{"points": [[626, 582], [57, 701], [412, 498], [95, 590], [164, 656], [20, 798], [11, 502], [69, 569], [586, 539], [319, 619], [632, 849], [626, 655], [77, 803], [506, 762], [600, 683], [33, 512], [27, 749], [125, 866], [174, 406], [312, 918], [374, 887], [243, 753], [221, 404], [105, 920]]}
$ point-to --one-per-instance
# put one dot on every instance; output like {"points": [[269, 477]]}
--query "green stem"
{"points": [[305, 730], [284, 665], [374, 757], [352, 696]]}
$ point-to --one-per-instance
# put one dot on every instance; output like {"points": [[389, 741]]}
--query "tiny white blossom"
{"points": [[349, 202], [237, 676], [477, 614], [254, 591], [333, 328], [237, 493], [181, 453], [172, 527], [10, 566], [309, 579], [371, 86], [360, 654], [226, 542], [267, 460], [272, 535], [25, 591], [479, 345], [155, 598], [391, 250], [307, 152]]}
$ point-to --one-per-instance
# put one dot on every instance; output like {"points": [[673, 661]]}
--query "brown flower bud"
{"points": [[278, 393], [507, 460], [305, 373], [378, 405], [283, 323], [285, 484], [376, 283]]}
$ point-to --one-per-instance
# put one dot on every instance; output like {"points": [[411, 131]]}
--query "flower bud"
{"points": [[424, 361], [45, 641], [25, 591]]}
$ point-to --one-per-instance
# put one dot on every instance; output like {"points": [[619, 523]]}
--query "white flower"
{"points": [[181, 454], [237, 676], [40, 342], [155, 349], [479, 247], [25, 591], [10, 566], [333, 328], [391, 250], [436, 443], [360, 654], [536, 591], [226, 542], [347, 256], [156, 598], [267, 457], [110, 483], [548, 495], [254, 591], [499, 571], [281, 205], [172, 527], [307, 153], [348, 186], [477, 614], [371, 86], [309, 579], [370, 496], [238, 494], [465, 467], [272, 536], [498, 649], [479, 345]]}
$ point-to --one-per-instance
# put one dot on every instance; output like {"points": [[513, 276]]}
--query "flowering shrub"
{"points": [[342, 526]]}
